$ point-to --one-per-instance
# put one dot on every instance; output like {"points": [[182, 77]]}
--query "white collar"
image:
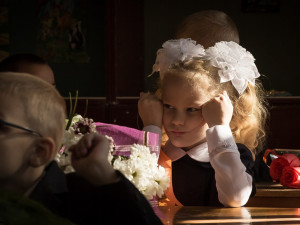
{"points": [[198, 153]]}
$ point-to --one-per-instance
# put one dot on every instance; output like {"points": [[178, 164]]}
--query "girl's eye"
{"points": [[192, 109], [168, 106]]}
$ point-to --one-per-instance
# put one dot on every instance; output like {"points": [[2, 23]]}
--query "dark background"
{"points": [[124, 35], [269, 30]]}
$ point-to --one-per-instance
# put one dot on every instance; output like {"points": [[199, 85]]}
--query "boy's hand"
{"points": [[218, 110], [150, 109], [89, 159]]}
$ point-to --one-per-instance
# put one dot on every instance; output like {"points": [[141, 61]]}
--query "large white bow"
{"points": [[236, 64], [174, 51]]}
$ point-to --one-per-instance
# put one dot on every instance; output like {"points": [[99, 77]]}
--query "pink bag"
{"points": [[124, 137]]}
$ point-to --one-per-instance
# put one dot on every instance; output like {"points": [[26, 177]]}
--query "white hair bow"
{"points": [[236, 64], [174, 51]]}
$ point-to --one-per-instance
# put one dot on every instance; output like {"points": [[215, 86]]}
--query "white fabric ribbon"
{"points": [[236, 64], [174, 51]]}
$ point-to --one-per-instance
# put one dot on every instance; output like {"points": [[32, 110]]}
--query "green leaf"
{"points": [[86, 107], [72, 109]]}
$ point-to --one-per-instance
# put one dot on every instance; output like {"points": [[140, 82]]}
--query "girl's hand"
{"points": [[218, 110], [150, 109], [90, 159]]}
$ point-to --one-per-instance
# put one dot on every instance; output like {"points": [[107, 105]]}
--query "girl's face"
{"points": [[182, 117]]}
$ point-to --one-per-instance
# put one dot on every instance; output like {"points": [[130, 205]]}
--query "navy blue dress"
{"points": [[194, 182]]}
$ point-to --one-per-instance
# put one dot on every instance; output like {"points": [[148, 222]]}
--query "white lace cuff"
{"points": [[219, 138]]}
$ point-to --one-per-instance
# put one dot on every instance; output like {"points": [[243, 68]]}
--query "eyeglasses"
{"points": [[2, 122]]}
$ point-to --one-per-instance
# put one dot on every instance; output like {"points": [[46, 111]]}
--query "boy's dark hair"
{"points": [[208, 27], [12, 63]]}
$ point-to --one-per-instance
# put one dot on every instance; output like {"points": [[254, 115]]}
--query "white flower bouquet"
{"points": [[139, 166]]}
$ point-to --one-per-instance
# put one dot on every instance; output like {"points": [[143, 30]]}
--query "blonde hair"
{"points": [[43, 106], [249, 110], [208, 27]]}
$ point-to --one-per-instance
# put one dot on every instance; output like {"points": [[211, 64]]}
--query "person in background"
{"points": [[208, 27], [212, 110], [28, 63], [32, 124]]}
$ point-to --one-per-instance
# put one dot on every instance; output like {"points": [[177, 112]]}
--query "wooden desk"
{"points": [[243, 215], [275, 195]]}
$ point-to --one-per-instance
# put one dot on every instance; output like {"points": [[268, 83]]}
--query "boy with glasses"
{"points": [[32, 123]]}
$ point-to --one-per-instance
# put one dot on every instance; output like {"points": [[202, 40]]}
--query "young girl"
{"points": [[211, 110]]}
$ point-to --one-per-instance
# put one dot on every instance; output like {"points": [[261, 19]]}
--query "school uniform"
{"points": [[71, 196], [218, 172]]}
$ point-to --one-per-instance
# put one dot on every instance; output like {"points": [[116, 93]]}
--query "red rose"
{"points": [[290, 177], [282, 161]]}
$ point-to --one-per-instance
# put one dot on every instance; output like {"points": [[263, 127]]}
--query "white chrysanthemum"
{"points": [[162, 179], [69, 169], [76, 131], [175, 51], [235, 62], [70, 138], [76, 118], [142, 170]]}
